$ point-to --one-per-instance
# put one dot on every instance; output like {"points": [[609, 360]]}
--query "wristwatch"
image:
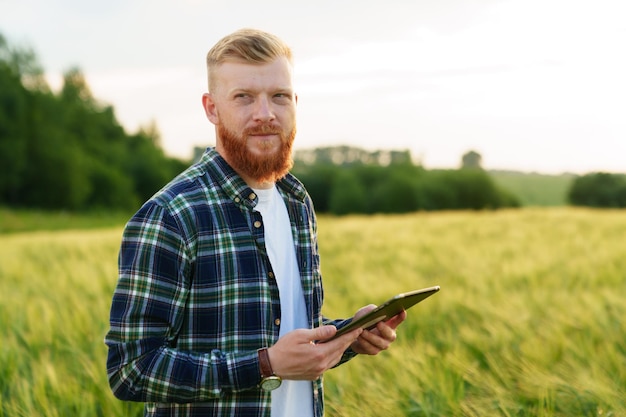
{"points": [[269, 381]]}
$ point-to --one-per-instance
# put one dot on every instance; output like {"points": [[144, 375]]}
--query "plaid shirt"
{"points": [[196, 295]]}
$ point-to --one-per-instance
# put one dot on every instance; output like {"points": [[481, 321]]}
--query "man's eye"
{"points": [[282, 96]]}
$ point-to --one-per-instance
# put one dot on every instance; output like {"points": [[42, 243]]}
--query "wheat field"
{"points": [[529, 320]]}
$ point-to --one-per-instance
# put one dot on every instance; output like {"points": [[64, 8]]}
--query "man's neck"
{"points": [[252, 183]]}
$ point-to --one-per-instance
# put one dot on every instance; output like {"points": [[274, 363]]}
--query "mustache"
{"points": [[264, 129]]}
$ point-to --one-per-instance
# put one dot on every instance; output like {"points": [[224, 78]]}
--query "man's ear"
{"points": [[209, 108]]}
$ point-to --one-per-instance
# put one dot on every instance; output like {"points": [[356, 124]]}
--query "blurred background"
{"points": [[530, 84], [523, 86]]}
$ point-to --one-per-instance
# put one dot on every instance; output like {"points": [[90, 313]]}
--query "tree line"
{"points": [[67, 150], [345, 180]]}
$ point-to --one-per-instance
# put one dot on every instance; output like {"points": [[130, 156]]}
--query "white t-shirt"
{"points": [[292, 398]]}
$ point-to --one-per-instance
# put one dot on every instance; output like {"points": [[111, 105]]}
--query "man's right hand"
{"points": [[298, 356]]}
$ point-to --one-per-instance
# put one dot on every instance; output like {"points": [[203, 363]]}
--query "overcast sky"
{"points": [[532, 85]]}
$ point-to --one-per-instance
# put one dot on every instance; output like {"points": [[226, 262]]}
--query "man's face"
{"points": [[254, 110]]}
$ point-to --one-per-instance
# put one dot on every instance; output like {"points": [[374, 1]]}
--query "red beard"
{"points": [[268, 168]]}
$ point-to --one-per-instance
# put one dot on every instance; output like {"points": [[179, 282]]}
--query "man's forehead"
{"points": [[243, 65], [244, 74]]}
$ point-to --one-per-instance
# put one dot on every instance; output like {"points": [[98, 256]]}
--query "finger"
{"points": [[364, 310], [327, 354], [370, 343], [351, 336], [341, 343], [386, 332], [321, 333], [380, 337], [395, 321]]}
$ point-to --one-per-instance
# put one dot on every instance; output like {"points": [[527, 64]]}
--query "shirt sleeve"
{"points": [[143, 362]]}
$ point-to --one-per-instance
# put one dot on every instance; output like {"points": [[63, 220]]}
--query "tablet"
{"points": [[388, 309]]}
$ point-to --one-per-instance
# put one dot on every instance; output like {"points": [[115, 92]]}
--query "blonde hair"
{"points": [[246, 45]]}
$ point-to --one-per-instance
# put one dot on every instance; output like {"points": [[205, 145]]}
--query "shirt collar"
{"points": [[236, 188]]}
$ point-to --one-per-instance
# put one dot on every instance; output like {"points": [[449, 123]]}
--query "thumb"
{"points": [[323, 332]]}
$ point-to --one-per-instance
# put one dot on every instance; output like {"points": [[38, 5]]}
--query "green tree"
{"points": [[434, 191], [599, 189], [68, 150], [395, 194], [145, 162], [13, 128], [318, 180], [475, 189], [347, 194]]}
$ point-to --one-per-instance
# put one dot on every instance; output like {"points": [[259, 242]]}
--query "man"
{"points": [[217, 311]]}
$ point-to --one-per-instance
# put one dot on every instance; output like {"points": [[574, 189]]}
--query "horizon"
{"points": [[531, 85]]}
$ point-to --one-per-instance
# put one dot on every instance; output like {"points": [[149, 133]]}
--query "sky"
{"points": [[531, 85]]}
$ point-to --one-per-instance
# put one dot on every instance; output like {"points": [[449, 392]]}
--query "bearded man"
{"points": [[217, 310]]}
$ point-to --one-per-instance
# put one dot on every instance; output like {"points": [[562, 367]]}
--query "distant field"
{"points": [[28, 220], [534, 189], [529, 320]]}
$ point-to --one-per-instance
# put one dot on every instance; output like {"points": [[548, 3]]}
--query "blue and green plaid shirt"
{"points": [[196, 295]]}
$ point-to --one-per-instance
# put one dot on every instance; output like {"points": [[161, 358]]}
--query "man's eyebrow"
{"points": [[240, 90], [252, 90], [284, 89]]}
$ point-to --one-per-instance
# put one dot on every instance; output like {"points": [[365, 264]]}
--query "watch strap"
{"points": [[264, 363]]}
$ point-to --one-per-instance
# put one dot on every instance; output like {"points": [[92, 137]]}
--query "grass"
{"points": [[29, 220], [529, 320], [56, 290]]}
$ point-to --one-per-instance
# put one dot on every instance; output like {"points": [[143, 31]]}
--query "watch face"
{"points": [[271, 383]]}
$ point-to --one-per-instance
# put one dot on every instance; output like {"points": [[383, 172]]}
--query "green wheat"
{"points": [[529, 320]]}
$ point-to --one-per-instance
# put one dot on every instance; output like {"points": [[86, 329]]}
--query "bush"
{"points": [[347, 194], [400, 188], [599, 189]]}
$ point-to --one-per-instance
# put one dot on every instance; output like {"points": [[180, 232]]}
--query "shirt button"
{"points": [[257, 224], [271, 275], [237, 199], [252, 196], [277, 322]]}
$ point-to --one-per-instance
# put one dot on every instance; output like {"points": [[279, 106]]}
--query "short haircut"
{"points": [[249, 46]]}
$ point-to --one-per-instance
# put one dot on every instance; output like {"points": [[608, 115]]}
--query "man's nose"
{"points": [[264, 110]]}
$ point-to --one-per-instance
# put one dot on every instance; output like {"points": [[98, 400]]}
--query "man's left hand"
{"points": [[379, 338]]}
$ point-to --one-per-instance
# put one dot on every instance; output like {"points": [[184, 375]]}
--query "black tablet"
{"points": [[388, 309]]}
